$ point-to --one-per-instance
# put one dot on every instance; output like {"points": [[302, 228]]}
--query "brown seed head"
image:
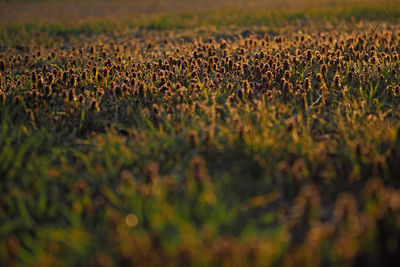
{"points": [[2, 66], [307, 84], [94, 105], [336, 81]]}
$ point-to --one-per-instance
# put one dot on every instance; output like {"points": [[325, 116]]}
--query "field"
{"points": [[189, 133]]}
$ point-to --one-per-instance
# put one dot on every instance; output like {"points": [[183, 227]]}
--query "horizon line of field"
{"points": [[182, 20]]}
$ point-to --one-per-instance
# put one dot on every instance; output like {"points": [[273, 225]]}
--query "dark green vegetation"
{"points": [[202, 139]]}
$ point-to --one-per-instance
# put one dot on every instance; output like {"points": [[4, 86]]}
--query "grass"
{"points": [[24, 32], [214, 138]]}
